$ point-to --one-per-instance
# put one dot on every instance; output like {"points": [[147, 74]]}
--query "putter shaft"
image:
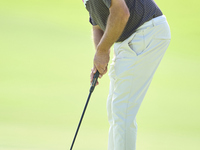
{"points": [[94, 81]]}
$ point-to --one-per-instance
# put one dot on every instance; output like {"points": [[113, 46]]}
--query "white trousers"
{"points": [[131, 72]]}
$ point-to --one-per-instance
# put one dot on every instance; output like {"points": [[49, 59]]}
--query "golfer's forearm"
{"points": [[115, 25], [97, 35]]}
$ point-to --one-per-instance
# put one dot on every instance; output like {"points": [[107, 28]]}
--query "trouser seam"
{"points": [[132, 70]]}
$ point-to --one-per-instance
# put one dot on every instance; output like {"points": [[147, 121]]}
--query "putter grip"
{"points": [[94, 81]]}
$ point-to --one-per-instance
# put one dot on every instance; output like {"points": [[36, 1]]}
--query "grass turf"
{"points": [[46, 57]]}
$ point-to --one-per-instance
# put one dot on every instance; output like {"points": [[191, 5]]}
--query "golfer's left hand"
{"points": [[101, 60]]}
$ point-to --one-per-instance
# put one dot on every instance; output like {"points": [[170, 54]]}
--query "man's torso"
{"points": [[141, 11]]}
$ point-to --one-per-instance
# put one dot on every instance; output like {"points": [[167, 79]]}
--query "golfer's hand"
{"points": [[93, 71], [101, 60]]}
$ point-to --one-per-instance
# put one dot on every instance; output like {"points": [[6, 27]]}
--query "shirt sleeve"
{"points": [[107, 3], [92, 21]]}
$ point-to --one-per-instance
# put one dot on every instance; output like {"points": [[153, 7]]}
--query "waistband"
{"points": [[153, 22]]}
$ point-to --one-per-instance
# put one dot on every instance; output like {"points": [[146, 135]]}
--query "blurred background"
{"points": [[46, 54]]}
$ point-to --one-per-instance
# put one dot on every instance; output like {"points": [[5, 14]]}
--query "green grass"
{"points": [[46, 56]]}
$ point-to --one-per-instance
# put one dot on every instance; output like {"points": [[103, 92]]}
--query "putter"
{"points": [[94, 81]]}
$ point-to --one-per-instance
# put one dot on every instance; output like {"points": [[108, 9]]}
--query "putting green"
{"points": [[46, 56]]}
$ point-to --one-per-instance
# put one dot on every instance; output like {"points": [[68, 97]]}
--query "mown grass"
{"points": [[46, 56]]}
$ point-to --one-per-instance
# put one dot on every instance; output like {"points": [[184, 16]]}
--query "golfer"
{"points": [[140, 34]]}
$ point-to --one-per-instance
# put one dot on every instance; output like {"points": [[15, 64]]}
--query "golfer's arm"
{"points": [[119, 15], [97, 35]]}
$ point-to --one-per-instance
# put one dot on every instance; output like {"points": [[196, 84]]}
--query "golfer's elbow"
{"points": [[126, 15], [123, 17], [122, 14]]}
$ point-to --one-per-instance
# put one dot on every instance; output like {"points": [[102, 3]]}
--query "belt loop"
{"points": [[153, 22]]}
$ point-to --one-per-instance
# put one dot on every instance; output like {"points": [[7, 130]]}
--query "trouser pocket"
{"points": [[137, 44]]}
